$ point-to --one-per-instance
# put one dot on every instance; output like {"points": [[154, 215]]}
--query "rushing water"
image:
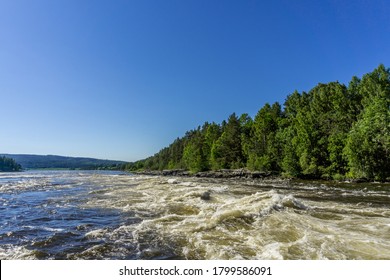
{"points": [[113, 215]]}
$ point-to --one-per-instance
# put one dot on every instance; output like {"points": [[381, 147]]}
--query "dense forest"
{"points": [[332, 131], [9, 165]]}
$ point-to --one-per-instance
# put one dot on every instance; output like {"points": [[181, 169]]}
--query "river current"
{"points": [[114, 215]]}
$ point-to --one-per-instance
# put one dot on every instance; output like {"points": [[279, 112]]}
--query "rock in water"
{"points": [[205, 196]]}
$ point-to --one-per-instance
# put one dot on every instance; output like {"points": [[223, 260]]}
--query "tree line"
{"points": [[9, 165], [332, 131]]}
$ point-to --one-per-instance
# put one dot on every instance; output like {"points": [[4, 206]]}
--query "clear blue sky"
{"points": [[123, 79]]}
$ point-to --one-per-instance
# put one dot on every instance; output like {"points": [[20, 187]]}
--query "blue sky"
{"points": [[123, 79]]}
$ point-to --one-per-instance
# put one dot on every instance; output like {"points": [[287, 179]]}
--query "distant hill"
{"points": [[53, 161]]}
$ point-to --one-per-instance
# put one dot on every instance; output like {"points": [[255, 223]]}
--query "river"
{"points": [[114, 215]]}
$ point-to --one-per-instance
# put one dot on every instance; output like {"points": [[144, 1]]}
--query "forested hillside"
{"points": [[9, 165], [53, 162], [332, 131]]}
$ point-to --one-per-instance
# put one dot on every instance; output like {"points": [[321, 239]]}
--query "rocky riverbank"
{"points": [[237, 174], [223, 173]]}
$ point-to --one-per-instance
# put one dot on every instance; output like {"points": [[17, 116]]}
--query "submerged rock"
{"points": [[172, 181], [205, 196]]}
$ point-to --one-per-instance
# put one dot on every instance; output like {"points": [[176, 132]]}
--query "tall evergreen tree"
{"points": [[226, 151], [265, 151], [193, 156]]}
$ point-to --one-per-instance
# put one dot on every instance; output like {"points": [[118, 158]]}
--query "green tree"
{"points": [[368, 143], [265, 150], [367, 147], [9, 165], [246, 124], [211, 134], [291, 134], [321, 126], [226, 152], [193, 156]]}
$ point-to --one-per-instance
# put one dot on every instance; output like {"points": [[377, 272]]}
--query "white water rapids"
{"points": [[165, 218]]}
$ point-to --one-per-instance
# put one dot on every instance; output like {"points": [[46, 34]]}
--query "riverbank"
{"points": [[216, 174], [239, 174]]}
